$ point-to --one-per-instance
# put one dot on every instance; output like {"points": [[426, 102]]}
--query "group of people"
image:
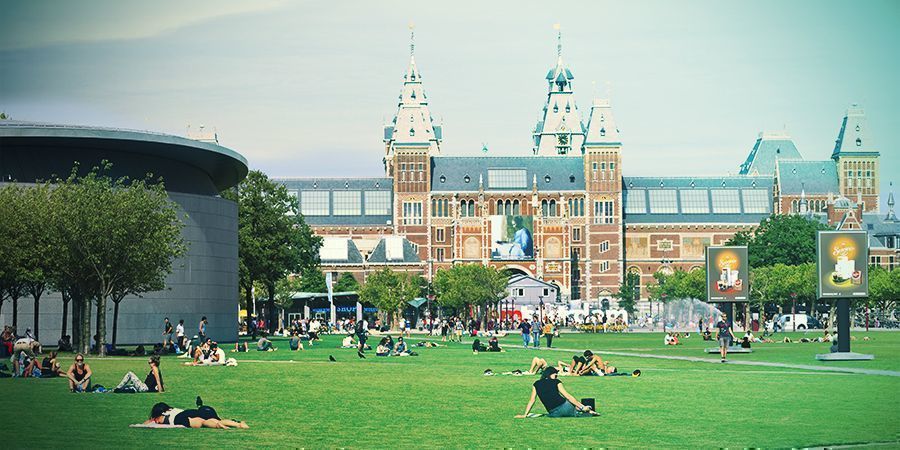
{"points": [[534, 329], [388, 347], [586, 364]]}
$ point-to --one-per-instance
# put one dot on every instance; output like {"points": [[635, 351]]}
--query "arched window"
{"points": [[508, 208], [471, 208], [794, 206], [544, 208], [516, 208], [500, 210], [552, 208]]}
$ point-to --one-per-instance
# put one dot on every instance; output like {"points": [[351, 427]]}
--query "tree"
{"points": [[884, 288], [629, 292], [312, 280], [12, 247], [273, 238], [390, 291], [786, 239], [38, 251], [346, 283], [117, 237], [470, 285]]}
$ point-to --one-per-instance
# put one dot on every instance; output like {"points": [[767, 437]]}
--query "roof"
{"points": [[854, 137], [736, 199], [338, 250], [553, 173], [769, 148], [813, 177], [525, 280], [331, 216], [224, 166], [394, 250]]}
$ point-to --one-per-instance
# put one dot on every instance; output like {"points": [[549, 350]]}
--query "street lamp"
{"points": [[541, 297]]}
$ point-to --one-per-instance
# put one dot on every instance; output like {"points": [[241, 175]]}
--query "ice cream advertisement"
{"points": [[727, 274], [842, 259]]}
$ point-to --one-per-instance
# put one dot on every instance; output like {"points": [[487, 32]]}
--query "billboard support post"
{"points": [[843, 324]]}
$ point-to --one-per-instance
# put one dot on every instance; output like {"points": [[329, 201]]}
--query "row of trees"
{"points": [[93, 238]]}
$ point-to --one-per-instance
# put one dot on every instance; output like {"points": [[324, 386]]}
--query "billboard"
{"points": [[727, 274], [512, 237], [842, 264]]}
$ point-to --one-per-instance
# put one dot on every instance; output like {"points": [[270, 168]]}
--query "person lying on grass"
{"points": [[153, 383], [555, 398], [202, 417]]}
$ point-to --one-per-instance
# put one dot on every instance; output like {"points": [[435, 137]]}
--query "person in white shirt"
{"points": [[179, 336]]}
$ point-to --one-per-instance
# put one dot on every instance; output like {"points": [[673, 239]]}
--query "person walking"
{"points": [[167, 332], [525, 326], [201, 328], [179, 336], [548, 332], [724, 336], [535, 332], [362, 333]]}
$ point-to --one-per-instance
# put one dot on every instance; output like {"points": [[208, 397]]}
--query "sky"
{"points": [[302, 88]]}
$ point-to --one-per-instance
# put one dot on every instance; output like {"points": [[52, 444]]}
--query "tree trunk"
{"points": [[76, 322], [271, 317], [15, 300], [85, 326], [115, 321], [37, 315], [101, 326], [65, 313], [250, 303]]}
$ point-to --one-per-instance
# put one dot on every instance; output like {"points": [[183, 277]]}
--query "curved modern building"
{"points": [[205, 281]]}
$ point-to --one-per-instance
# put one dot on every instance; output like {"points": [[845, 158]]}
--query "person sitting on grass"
{"points": [[555, 398], [241, 347], [477, 346], [707, 336], [348, 342], [264, 345], [295, 343], [400, 349], [593, 364], [201, 353], [383, 349], [202, 417], [494, 345], [152, 383], [572, 368], [79, 375], [50, 366]]}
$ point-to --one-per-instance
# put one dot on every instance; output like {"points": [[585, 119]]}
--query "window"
{"points": [[635, 202], [440, 207], [604, 246], [603, 212], [604, 266], [377, 203], [515, 206], [507, 178], [439, 254], [662, 201], [725, 201], [594, 166], [346, 203], [412, 213], [467, 208], [612, 166], [694, 202], [576, 234], [576, 207], [548, 208], [756, 201], [314, 203], [546, 292], [439, 235]]}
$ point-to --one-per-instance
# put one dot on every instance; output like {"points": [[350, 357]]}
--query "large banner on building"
{"points": [[842, 261], [512, 237], [727, 274]]}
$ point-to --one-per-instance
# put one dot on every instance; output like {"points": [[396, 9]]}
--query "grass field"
{"points": [[441, 399]]}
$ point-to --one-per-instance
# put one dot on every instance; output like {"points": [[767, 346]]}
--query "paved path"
{"points": [[854, 370]]}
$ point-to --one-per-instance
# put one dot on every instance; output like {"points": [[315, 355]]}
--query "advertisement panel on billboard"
{"points": [[842, 260], [727, 274], [511, 237]]}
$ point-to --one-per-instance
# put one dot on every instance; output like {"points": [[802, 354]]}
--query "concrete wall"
{"points": [[203, 283]]}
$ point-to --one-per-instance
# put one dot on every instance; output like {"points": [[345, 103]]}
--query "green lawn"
{"points": [[440, 399]]}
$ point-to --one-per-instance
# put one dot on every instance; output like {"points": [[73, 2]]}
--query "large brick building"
{"points": [[564, 212]]}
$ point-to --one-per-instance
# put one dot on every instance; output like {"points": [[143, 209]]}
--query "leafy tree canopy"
{"points": [[781, 239]]}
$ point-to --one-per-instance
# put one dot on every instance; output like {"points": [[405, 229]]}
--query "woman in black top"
{"points": [[202, 417], [153, 383], [554, 397]]}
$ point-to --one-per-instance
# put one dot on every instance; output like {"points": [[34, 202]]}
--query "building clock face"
{"points": [[563, 139]]}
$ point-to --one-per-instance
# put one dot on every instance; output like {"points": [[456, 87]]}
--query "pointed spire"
{"points": [[558, 29], [412, 40], [804, 203], [890, 203]]}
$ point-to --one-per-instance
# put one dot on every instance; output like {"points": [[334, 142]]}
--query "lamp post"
{"points": [[794, 310], [541, 297]]}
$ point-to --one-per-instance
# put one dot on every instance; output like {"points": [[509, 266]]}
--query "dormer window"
{"points": [[555, 108], [571, 178], [443, 179], [467, 179], [858, 142], [413, 95], [857, 128], [602, 118], [546, 178], [412, 132], [568, 109], [603, 132]]}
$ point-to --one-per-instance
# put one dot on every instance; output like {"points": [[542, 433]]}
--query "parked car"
{"points": [[797, 322]]}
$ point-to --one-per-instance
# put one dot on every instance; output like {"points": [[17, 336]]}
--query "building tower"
{"points": [[559, 130], [603, 185], [410, 141], [857, 160]]}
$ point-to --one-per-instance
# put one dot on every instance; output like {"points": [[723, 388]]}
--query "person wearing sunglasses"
{"points": [[79, 375], [153, 383]]}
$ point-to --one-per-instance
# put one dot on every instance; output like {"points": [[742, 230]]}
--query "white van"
{"points": [[796, 322]]}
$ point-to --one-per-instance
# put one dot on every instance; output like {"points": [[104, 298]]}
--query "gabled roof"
{"points": [[394, 250], [854, 137], [448, 173], [769, 147], [337, 250], [525, 281], [813, 177]]}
